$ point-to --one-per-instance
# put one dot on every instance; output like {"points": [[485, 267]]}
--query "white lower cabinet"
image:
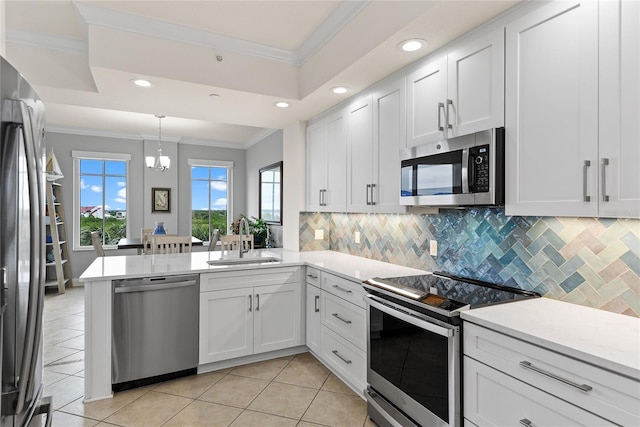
{"points": [[240, 321], [509, 381], [336, 326], [313, 318], [492, 398]]}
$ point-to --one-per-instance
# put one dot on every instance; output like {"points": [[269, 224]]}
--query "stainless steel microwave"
{"points": [[463, 171]]}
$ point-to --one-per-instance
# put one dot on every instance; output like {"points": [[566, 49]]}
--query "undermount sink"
{"points": [[248, 260]]}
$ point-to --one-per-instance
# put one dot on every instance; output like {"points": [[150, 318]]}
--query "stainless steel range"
{"points": [[413, 345]]}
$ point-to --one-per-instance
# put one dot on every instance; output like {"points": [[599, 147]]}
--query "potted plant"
{"points": [[257, 227]]}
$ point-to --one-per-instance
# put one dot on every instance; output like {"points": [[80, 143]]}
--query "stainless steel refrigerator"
{"points": [[22, 254]]}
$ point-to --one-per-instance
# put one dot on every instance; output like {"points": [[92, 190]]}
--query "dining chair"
{"points": [[163, 244], [145, 238], [230, 242], [96, 241], [213, 239]]}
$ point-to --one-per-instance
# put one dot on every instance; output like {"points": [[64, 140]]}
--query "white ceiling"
{"points": [[81, 55]]}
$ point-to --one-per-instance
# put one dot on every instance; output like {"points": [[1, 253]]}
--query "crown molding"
{"points": [[340, 17], [64, 44], [258, 137], [345, 12], [92, 132]]}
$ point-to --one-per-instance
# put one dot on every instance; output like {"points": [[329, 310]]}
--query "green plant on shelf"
{"points": [[257, 227]]}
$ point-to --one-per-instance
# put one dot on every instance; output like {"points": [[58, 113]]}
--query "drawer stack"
{"points": [[510, 381], [336, 325]]}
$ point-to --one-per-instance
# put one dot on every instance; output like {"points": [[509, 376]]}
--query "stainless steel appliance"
{"points": [[155, 329], [413, 345], [463, 171], [21, 249]]}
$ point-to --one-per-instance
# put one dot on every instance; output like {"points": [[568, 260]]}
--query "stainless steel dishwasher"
{"points": [[155, 329]]}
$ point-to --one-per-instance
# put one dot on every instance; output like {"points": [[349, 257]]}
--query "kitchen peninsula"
{"points": [[98, 278]]}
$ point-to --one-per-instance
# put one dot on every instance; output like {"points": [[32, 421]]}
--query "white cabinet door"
{"points": [[226, 325], [551, 112], [389, 136], [426, 94], [277, 317], [313, 318], [360, 155], [475, 83], [316, 165], [619, 109], [336, 145]]}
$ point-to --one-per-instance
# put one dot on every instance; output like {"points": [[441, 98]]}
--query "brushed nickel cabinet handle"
{"points": [[449, 103], [250, 303], [340, 288], [373, 202], [368, 192], [345, 360], [525, 422], [317, 303], [440, 107], [257, 302], [311, 276], [605, 163], [581, 387], [585, 168], [337, 316]]}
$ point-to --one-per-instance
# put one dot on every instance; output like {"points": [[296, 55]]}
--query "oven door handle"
{"points": [[406, 315]]}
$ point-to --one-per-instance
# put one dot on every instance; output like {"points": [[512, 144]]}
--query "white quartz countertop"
{"points": [[348, 266], [602, 338]]}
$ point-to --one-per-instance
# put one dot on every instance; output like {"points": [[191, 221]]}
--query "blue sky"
{"points": [[208, 184]]}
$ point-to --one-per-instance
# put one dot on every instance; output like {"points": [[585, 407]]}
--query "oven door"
{"points": [[413, 362]]}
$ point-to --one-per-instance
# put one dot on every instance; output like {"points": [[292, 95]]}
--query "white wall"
{"points": [[293, 150], [166, 179]]}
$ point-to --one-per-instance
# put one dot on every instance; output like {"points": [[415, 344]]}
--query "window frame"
{"points": [[212, 164], [102, 156]]}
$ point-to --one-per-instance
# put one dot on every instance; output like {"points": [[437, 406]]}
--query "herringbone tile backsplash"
{"points": [[587, 261]]}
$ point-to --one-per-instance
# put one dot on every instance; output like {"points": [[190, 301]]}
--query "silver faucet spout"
{"points": [[242, 221]]}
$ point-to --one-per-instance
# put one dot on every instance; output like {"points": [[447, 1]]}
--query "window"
{"points": [[210, 197], [270, 198], [100, 197]]}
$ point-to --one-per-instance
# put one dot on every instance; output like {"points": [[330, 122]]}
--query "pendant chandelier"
{"points": [[160, 162]]}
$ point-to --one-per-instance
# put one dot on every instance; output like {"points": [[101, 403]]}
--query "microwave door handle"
{"points": [[465, 171]]}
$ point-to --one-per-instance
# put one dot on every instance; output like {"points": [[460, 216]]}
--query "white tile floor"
{"points": [[289, 391]]}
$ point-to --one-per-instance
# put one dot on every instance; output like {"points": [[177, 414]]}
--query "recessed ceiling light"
{"points": [[281, 104], [141, 82], [339, 89], [412, 45]]}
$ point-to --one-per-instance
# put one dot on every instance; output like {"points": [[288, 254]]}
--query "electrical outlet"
{"points": [[433, 248], [319, 234], [357, 237]]}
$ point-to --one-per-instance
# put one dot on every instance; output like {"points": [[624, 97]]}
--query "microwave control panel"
{"points": [[479, 164]]}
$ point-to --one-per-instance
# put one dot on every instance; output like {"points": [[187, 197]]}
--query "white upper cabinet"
{"points": [[426, 97], [327, 164], [377, 131], [569, 153], [458, 94], [476, 85], [360, 155], [619, 136]]}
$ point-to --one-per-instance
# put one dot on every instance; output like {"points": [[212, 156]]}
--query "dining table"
{"points": [[136, 243]]}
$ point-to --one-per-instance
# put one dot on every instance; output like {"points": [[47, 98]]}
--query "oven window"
{"points": [[412, 359]]}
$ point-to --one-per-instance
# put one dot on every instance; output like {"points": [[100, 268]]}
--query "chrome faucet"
{"points": [[243, 220]]}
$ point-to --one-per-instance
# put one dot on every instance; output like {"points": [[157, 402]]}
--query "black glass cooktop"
{"points": [[445, 292]]}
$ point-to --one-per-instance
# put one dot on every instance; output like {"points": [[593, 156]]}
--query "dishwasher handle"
{"points": [[154, 287]]}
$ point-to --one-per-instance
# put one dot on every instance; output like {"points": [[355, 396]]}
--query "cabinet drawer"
{"points": [[345, 289], [345, 359], [249, 278], [345, 318], [313, 276], [612, 396], [492, 398]]}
